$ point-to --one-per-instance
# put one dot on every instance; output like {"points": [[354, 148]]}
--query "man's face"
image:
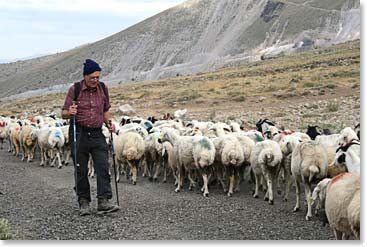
{"points": [[92, 80]]}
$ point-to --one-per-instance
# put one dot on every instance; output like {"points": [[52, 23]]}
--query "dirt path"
{"points": [[40, 204]]}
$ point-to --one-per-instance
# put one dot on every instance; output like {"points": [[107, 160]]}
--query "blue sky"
{"points": [[32, 27]]}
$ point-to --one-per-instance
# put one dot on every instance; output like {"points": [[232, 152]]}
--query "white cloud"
{"points": [[120, 7]]}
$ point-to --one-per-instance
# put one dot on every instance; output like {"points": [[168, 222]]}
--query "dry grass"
{"points": [[335, 69]]}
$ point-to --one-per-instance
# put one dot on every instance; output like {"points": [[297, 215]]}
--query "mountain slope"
{"points": [[196, 36]]}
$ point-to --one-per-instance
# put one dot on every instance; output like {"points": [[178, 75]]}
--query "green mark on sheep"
{"points": [[259, 138], [205, 144]]}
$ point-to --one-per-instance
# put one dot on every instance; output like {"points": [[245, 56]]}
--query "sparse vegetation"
{"points": [[240, 98], [5, 232], [331, 86], [332, 106], [225, 88]]}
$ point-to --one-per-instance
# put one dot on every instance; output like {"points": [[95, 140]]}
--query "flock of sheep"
{"points": [[203, 153]]}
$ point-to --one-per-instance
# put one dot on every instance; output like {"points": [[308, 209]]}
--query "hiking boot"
{"points": [[105, 206], [84, 208]]}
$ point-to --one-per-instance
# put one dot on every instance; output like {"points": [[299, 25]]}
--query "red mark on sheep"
{"points": [[336, 178]]}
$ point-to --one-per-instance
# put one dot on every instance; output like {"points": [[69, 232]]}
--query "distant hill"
{"points": [[193, 37]]}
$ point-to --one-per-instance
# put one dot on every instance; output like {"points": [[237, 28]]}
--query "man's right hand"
{"points": [[73, 109]]}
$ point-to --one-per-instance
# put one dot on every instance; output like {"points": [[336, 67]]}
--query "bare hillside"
{"points": [[193, 37]]}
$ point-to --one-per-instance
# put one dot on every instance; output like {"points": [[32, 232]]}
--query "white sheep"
{"points": [[287, 142], [133, 127], [247, 145], [169, 157], [235, 127], [180, 114], [129, 148], [193, 153], [342, 205], [56, 141], [347, 135], [13, 133], [28, 142], [66, 154], [50, 140], [231, 152], [265, 161], [319, 194], [4, 122], [153, 155], [350, 156], [328, 140], [309, 163], [255, 135]]}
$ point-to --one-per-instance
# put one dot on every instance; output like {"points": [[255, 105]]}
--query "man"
{"points": [[91, 111]]}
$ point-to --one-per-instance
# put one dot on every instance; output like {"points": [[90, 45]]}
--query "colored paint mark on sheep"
{"points": [[336, 178], [205, 144], [258, 138], [58, 134], [287, 132]]}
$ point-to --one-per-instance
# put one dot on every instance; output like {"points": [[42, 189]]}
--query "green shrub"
{"points": [[5, 233], [332, 106], [309, 84], [240, 98], [331, 86]]}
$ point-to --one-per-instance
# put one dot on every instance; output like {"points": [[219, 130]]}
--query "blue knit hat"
{"points": [[90, 66]]}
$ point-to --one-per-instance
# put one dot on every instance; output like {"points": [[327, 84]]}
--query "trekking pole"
{"points": [[114, 166], [76, 165]]}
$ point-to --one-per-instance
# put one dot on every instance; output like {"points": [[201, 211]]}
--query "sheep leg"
{"points": [[205, 186], [174, 173], [157, 170], [42, 157], [179, 179], [231, 181], [269, 178], [28, 153], [10, 145], [23, 152], [263, 184], [288, 183], [338, 234], [279, 175], [58, 156], [52, 157], [31, 153], [67, 154], [192, 181], [145, 168], [298, 194], [164, 171], [91, 168], [134, 170], [308, 196], [257, 181], [220, 175], [238, 179]]}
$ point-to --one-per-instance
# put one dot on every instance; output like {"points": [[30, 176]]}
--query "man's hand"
{"points": [[111, 127], [73, 109]]}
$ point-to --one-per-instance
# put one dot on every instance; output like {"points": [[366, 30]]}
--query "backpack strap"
{"points": [[104, 89], [77, 89]]}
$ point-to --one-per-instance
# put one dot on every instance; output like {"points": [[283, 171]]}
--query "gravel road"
{"points": [[40, 204]]}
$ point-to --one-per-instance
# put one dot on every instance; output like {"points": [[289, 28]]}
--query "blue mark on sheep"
{"points": [[58, 134], [205, 144]]}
